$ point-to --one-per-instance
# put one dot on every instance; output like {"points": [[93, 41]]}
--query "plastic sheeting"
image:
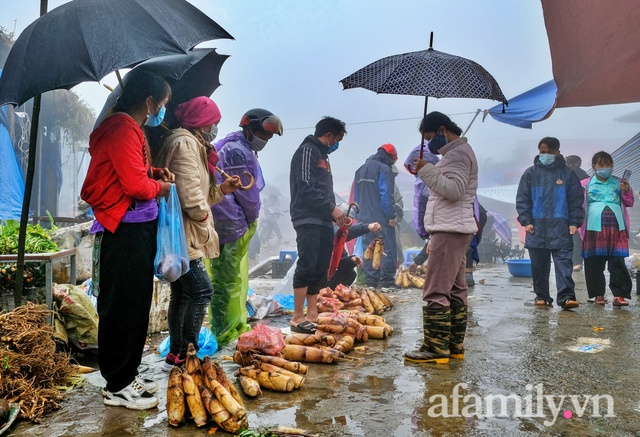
{"points": [[12, 191]]}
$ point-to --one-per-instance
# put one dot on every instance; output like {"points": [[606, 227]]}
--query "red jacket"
{"points": [[119, 170]]}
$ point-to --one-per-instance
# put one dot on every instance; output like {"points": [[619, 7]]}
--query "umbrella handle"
{"points": [[353, 206], [241, 187], [409, 168]]}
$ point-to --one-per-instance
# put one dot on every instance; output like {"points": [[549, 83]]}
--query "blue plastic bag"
{"points": [[172, 254], [206, 342]]}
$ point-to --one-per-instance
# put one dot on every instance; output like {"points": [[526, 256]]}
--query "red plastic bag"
{"points": [[263, 338]]}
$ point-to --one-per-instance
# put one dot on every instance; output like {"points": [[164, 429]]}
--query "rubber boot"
{"points": [[458, 329], [436, 325]]}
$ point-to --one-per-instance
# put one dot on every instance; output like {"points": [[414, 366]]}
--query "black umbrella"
{"points": [[84, 40], [427, 73], [190, 75]]}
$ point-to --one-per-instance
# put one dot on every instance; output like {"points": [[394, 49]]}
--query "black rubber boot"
{"points": [[458, 330], [436, 325]]}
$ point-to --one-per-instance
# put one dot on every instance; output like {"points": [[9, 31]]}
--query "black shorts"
{"points": [[315, 244]]}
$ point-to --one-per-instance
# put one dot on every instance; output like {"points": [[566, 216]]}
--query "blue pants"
{"points": [[541, 268], [385, 276], [190, 296]]}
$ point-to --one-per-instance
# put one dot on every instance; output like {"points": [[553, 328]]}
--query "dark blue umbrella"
{"points": [[427, 73]]}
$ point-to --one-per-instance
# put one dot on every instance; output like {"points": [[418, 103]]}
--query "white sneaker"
{"points": [[133, 396], [149, 386]]}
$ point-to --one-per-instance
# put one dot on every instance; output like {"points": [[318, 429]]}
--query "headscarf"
{"points": [[197, 112]]}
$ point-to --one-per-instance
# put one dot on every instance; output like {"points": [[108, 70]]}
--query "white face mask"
{"points": [[257, 143], [210, 136]]}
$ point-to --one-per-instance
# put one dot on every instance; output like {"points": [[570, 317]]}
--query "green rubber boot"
{"points": [[436, 325], [458, 330]]}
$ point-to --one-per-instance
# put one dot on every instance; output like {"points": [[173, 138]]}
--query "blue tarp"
{"points": [[12, 191], [529, 107]]}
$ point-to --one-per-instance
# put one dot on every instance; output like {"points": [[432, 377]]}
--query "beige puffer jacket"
{"points": [[452, 183], [186, 158]]}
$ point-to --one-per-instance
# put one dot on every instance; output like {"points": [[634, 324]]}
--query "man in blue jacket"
{"points": [[550, 207], [374, 193], [313, 210]]}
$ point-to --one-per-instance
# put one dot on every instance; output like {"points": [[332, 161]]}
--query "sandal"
{"points": [[305, 327], [540, 303]]}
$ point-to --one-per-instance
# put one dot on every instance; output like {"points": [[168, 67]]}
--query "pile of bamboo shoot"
{"points": [[208, 394], [354, 298], [272, 373], [406, 279]]}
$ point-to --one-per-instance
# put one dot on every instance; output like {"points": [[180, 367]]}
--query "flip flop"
{"points": [[305, 327]]}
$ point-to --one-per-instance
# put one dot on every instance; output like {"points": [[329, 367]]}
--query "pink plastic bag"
{"points": [[263, 338]]}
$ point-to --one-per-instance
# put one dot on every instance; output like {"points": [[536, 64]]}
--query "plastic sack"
{"points": [[229, 274], [263, 338], [285, 286], [206, 342], [172, 254]]}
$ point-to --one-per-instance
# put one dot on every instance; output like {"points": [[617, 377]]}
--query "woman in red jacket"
{"points": [[121, 187]]}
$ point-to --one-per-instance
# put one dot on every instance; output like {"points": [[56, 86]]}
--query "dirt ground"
{"points": [[526, 372]]}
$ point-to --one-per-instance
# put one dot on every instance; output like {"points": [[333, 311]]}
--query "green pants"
{"points": [[229, 275]]}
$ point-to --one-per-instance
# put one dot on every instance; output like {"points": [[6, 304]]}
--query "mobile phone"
{"points": [[626, 175]]}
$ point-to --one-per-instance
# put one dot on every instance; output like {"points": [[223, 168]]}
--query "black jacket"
{"points": [[311, 184]]}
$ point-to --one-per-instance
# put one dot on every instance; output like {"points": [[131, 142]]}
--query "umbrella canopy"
{"points": [[190, 75], [428, 73], [594, 50], [84, 40]]}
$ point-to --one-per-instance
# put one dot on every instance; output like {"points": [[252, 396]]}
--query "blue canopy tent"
{"points": [[534, 105]]}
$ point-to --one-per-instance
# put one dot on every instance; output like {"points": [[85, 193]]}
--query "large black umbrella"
{"points": [[84, 40], [427, 73], [190, 75]]}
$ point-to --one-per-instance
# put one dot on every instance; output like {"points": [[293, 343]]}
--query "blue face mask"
{"points": [[436, 143], [333, 148], [547, 158], [155, 120], [604, 173]]}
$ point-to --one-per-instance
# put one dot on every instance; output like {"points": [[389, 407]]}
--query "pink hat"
{"points": [[198, 112]]}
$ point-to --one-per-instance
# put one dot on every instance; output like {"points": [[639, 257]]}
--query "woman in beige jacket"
{"points": [[189, 155], [450, 222]]}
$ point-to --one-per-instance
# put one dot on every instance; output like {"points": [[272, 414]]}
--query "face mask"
{"points": [[604, 173], [547, 158], [333, 148], [155, 120], [257, 144], [436, 143], [210, 136]]}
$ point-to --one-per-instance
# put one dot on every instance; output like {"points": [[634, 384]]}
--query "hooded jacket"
{"points": [[240, 208], [119, 171], [311, 185], [186, 158], [374, 188], [550, 198], [452, 184]]}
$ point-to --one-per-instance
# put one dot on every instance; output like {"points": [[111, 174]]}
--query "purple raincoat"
{"points": [[233, 214]]}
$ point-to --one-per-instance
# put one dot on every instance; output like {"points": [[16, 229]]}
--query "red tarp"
{"points": [[595, 50]]}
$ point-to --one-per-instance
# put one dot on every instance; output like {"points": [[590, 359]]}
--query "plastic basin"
{"points": [[519, 267]]}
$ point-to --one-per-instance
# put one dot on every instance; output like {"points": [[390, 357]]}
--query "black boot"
{"points": [[436, 325], [458, 329]]}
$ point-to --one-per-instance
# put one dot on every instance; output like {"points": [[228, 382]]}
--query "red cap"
{"points": [[391, 150]]}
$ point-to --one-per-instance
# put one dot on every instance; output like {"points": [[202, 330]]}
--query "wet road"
{"points": [[526, 372]]}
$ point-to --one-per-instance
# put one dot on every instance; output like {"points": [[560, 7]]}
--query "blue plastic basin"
{"points": [[519, 267]]}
